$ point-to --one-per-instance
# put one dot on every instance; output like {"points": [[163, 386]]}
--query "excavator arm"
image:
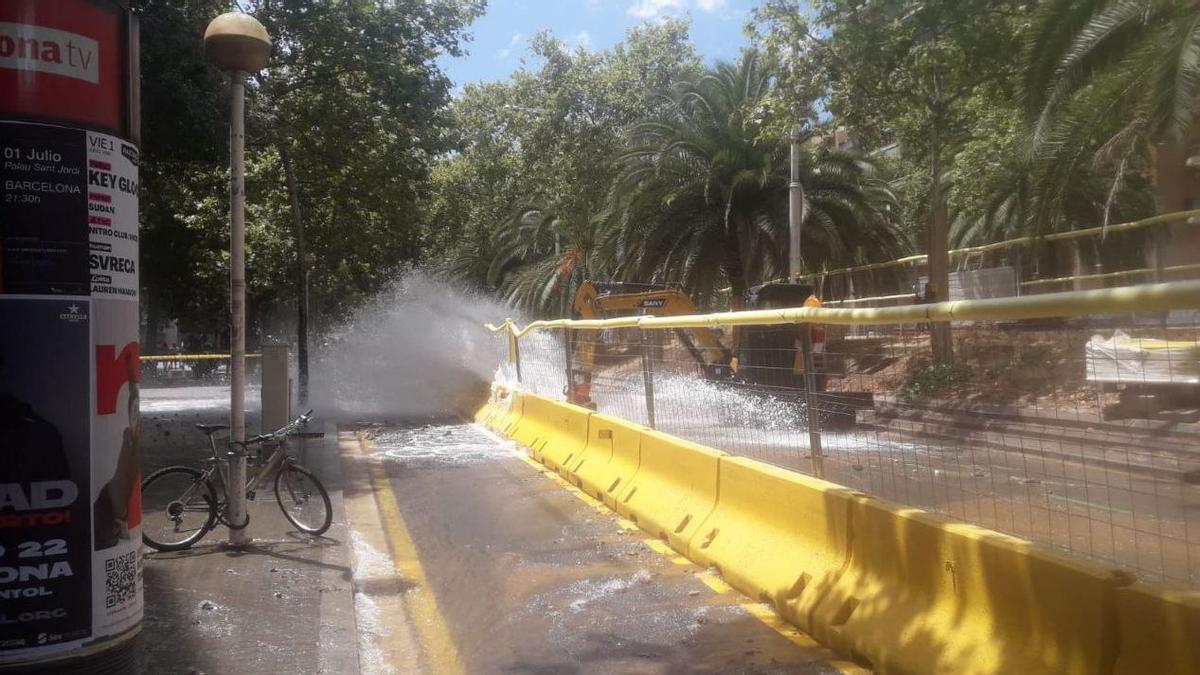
{"points": [[598, 300]]}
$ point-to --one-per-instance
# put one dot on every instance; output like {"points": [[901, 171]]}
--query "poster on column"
{"points": [[45, 474], [112, 166], [70, 508], [43, 206], [112, 183], [116, 462]]}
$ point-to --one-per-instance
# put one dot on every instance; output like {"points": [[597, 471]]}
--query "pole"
{"points": [[648, 380], [810, 401], [795, 208], [293, 186], [236, 486], [514, 354], [795, 220], [938, 290], [567, 361]]}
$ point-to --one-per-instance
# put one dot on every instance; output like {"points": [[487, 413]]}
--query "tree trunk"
{"points": [[293, 188], [941, 341], [734, 271], [1175, 188], [150, 344]]}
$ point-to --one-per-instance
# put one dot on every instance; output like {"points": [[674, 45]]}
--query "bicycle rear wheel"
{"points": [[179, 506], [303, 499]]}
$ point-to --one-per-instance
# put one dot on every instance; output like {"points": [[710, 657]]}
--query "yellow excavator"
{"points": [[761, 359]]}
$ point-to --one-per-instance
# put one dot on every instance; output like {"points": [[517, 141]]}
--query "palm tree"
{"points": [[1150, 48], [1103, 79], [701, 196], [540, 258]]}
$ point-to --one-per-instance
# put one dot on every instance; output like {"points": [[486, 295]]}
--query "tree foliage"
{"points": [[352, 97], [701, 198], [1103, 79], [518, 205]]}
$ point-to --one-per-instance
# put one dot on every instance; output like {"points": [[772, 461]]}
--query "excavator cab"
{"points": [[768, 356]]}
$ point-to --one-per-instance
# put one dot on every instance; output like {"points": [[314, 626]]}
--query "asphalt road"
{"points": [[470, 558]]}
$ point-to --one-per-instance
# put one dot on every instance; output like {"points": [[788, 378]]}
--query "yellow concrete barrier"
{"points": [[674, 489], [923, 594], [501, 408], [1160, 630], [489, 409], [899, 589], [485, 412], [508, 413], [555, 432], [611, 458], [777, 536]]}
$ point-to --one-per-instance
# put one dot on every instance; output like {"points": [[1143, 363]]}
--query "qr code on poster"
{"points": [[120, 579]]}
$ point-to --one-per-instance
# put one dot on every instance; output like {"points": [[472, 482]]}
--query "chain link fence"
{"points": [[1082, 433]]}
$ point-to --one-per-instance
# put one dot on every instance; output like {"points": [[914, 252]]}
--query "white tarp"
{"points": [[1130, 360]]}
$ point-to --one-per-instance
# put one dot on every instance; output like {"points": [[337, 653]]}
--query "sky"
{"points": [[501, 35]]}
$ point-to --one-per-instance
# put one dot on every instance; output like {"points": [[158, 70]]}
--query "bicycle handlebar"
{"points": [[282, 432]]}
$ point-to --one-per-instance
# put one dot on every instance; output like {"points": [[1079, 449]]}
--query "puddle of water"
{"points": [[369, 561], [212, 619], [443, 444], [370, 630]]}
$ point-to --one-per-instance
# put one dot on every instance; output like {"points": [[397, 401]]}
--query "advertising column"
{"points": [[70, 543]]}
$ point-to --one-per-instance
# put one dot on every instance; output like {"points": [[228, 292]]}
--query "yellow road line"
{"points": [[436, 641], [716, 583]]}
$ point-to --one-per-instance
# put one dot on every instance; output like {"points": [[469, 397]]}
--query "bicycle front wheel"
{"points": [[179, 506], [303, 499]]}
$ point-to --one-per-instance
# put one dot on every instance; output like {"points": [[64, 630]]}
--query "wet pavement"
{"points": [[498, 566], [451, 552], [283, 605]]}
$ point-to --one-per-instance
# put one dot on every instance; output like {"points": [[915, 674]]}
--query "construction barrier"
{"points": [[924, 594], [485, 412], [497, 405], [898, 589], [611, 458], [777, 536], [674, 489], [1160, 630], [555, 433], [509, 414]]}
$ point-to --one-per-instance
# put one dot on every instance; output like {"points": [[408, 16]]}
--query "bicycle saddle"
{"points": [[211, 428]]}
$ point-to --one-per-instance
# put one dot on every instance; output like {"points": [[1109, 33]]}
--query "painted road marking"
{"points": [[714, 582], [431, 626], [763, 613]]}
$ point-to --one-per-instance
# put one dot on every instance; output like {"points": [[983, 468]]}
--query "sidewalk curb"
{"points": [[339, 628]]}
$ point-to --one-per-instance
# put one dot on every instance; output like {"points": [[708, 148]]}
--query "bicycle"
{"points": [[186, 504]]}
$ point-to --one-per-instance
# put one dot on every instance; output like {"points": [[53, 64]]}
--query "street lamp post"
{"points": [[238, 45], [795, 208]]}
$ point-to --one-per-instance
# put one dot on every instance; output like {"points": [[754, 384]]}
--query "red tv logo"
{"points": [[48, 50]]}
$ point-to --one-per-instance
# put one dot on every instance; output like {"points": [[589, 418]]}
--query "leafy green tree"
{"points": [[1144, 55], [183, 196], [343, 129], [905, 72], [541, 258], [1103, 80], [534, 163], [701, 198]]}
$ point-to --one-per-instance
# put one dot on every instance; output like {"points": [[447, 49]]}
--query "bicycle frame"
{"points": [[220, 467]]}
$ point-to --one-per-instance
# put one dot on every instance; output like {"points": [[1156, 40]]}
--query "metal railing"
{"points": [[892, 281], [1067, 418]]}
